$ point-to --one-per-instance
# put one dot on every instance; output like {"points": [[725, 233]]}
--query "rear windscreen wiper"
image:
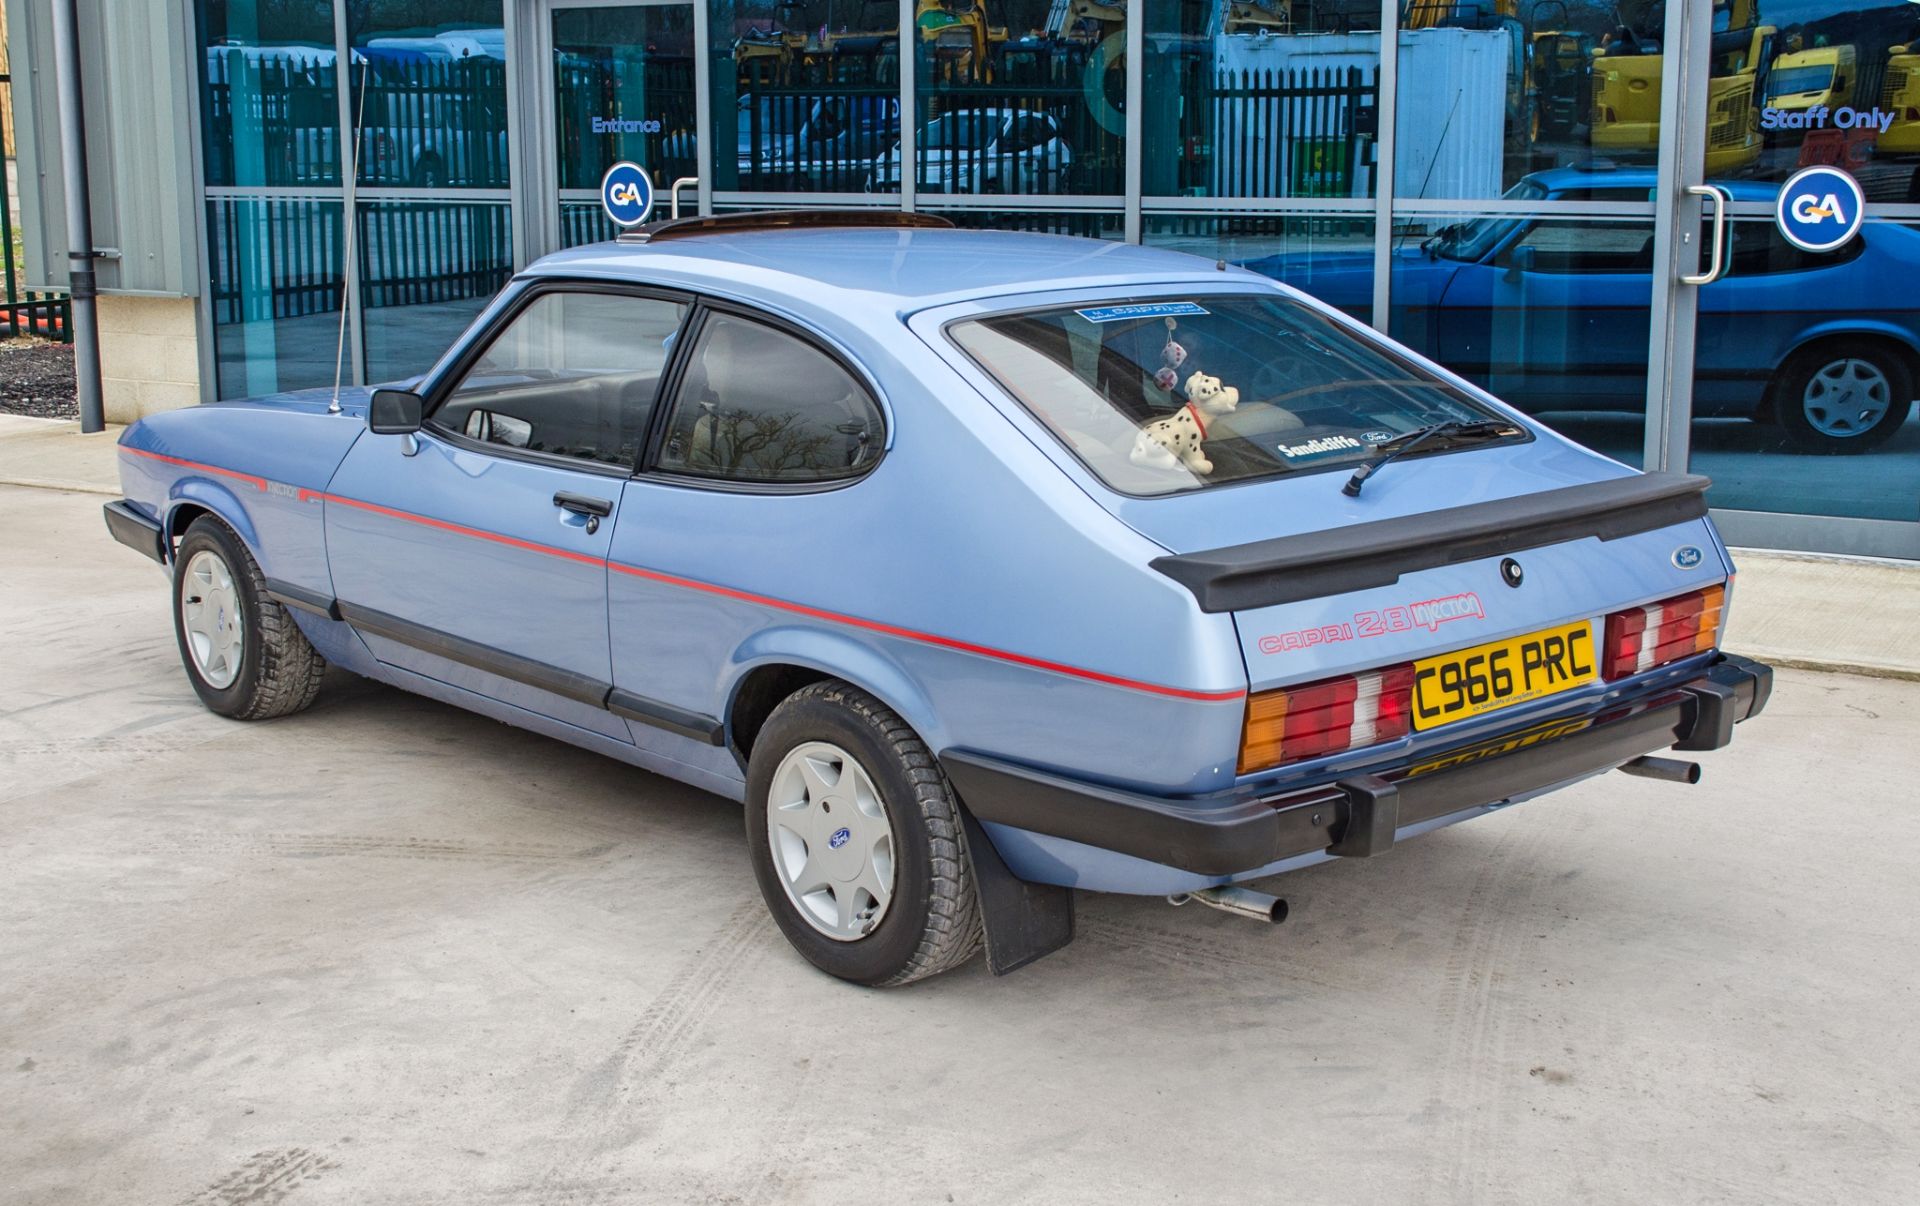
{"points": [[1453, 429]]}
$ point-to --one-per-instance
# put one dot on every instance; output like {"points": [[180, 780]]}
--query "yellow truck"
{"points": [[1821, 78], [1626, 84], [1900, 95]]}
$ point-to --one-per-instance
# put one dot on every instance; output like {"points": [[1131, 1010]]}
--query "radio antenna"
{"points": [[346, 262]]}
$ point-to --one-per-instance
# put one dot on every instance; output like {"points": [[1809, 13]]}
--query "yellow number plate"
{"points": [[1485, 678]]}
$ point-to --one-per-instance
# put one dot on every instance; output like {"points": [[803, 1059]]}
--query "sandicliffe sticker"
{"points": [[1324, 446], [1687, 556], [1819, 208], [626, 194], [1144, 310], [1376, 437]]}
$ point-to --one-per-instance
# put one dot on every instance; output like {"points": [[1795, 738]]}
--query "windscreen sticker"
{"points": [[1144, 310], [1324, 446]]}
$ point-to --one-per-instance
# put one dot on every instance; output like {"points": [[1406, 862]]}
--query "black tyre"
{"points": [[856, 840], [244, 655], [1841, 396]]}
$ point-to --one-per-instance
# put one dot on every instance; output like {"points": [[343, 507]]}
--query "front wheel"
{"points": [[856, 840], [1845, 396], [244, 655]]}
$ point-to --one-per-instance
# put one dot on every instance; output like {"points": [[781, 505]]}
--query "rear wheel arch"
{"points": [[1903, 371], [757, 694], [1908, 354], [790, 660]]}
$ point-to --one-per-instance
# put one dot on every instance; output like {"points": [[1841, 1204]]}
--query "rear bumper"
{"points": [[1358, 816], [135, 530]]}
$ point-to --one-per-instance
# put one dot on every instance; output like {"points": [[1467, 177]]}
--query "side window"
{"points": [[575, 374], [1756, 249], [758, 405], [1558, 246]]}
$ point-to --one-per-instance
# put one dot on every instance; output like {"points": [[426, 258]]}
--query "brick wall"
{"points": [[149, 355]]}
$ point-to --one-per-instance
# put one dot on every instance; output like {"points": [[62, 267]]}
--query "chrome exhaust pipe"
{"points": [[1672, 770], [1242, 902]]}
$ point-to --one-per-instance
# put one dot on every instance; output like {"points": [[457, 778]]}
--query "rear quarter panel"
{"points": [[947, 582]]}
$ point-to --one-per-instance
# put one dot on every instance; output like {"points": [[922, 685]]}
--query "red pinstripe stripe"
{"points": [[460, 529], [925, 638], [728, 592], [259, 483]]}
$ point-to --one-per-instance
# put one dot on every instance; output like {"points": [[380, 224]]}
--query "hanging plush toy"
{"points": [[1176, 439], [1171, 358]]}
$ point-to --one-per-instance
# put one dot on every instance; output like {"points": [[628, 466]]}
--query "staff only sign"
{"points": [[1819, 209], [1820, 117]]}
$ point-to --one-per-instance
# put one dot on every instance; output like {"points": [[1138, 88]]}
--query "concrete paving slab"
{"points": [[1858, 614], [53, 454], [390, 952]]}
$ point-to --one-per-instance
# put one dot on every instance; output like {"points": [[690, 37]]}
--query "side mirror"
{"points": [[1518, 265], [394, 412]]}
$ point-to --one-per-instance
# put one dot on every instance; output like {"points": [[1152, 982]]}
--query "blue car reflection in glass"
{"points": [[1552, 313]]}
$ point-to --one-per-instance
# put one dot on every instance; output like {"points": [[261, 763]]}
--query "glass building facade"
{"points": [[1522, 191]]}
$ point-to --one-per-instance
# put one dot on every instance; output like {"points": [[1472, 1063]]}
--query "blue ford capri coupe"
{"points": [[1552, 311], [973, 563]]}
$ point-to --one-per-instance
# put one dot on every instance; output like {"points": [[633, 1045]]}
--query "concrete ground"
{"points": [[390, 952]]}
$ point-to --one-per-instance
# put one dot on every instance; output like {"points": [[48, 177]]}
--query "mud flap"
{"points": [[1023, 921]]}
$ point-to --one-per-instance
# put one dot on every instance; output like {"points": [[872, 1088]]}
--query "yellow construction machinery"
{"points": [[1257, 16], [1900, 95], [1459, 14], [1626, 84], [963, 44]]}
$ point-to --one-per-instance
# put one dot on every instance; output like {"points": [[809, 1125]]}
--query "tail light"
{"points": [[1326, 717], [1641, 638]]}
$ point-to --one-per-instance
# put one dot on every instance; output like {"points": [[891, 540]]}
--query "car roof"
{"points": [[1601, 175], [841, 272]]}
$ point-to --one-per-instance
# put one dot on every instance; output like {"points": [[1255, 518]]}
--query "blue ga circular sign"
{"points": [[1819, 209], [626, 194]]}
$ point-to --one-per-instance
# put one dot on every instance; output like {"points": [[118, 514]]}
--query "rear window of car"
{"points": [[1163, 397]]}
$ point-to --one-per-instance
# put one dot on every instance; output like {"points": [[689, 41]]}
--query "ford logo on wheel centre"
{"points": [[626, 194], [839, 838]]}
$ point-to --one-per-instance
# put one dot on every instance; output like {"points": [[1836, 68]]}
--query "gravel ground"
{"points": [[37, 379]]}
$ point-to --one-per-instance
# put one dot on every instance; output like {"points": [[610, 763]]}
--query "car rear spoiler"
{"points": [[1315, 564]]}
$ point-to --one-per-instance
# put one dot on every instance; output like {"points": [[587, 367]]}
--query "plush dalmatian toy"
{"points": [[1176, 439]]}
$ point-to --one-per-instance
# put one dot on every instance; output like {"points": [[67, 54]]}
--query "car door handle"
{"points": [[595, 509], [583, 504]]}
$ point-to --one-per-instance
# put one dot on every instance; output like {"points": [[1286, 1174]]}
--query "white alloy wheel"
{"points": [[1846, 398], [831, 840], [210, 615]]}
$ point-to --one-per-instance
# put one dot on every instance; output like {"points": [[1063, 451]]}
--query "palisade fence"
{"points": [[813, 137], [276, 121], [26, 312], [1270, 133], [282, 258], [1243, 133], [1095, 163], [658, 90], [271, 121]]}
